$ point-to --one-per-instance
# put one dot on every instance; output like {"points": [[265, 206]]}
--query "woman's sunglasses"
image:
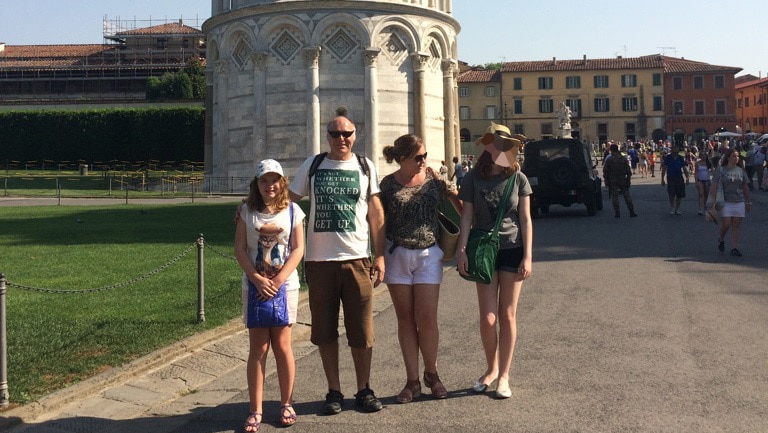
{"points": [[420, 158], [337, 134]]}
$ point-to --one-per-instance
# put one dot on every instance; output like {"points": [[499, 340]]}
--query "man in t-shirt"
{"points": [[343, 212], [674, 167]]}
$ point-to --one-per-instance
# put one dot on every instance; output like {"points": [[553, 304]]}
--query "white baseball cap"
{"points": [[269, 166]]}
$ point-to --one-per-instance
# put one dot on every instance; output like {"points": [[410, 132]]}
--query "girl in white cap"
{"points": [[269, 244]]}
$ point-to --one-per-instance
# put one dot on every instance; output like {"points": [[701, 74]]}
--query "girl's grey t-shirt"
{"points": [[733, 181], [485, 195]]}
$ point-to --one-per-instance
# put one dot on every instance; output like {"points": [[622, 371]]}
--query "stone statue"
{"points": [[564, 115]]}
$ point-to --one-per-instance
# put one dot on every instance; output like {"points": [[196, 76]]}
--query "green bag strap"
{"points": [[503, 204]]}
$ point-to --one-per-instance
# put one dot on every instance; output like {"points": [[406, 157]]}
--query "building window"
{"points": [[719, 82], [490, 91], [162, 43], [629, 103], [677, 83], [490, 112], [698, 107], [629, 80], [739, 103], [677, 108], [573, 82], [464, 113], [657, 79], [545, 83], [698, 82], [629, 128], [546, 105], [719, 107], [602, 129], [601, 81], [517, 83], [602, 105], [464, 92], [518, 106], [546, 129], [575, 105], [657, 103], [746, 102], [518, 128]]}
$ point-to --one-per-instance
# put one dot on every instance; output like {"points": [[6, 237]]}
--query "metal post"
{"points": [[3, 347], [200, 279], [58, 190]]}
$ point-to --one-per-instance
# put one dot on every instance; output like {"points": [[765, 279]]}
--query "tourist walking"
{"points": [[674, 167], [269, 244], [344, 208], [411, 198], [483, 188], [618, 178], [736, 199], [703, 167]]}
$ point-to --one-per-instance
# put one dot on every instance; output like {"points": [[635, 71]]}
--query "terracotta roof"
{"points": [[750, 81], [675, 65], [654, 61], [163, 29], [51, 51], [479, 76], [20, 57]]}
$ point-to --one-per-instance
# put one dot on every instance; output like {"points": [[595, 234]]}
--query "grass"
{"points": [[56, 339]]}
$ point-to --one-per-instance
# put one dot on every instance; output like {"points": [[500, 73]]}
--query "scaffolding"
{"points": [[112, 27]]}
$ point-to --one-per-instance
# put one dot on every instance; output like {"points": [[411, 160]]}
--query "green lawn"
{"points": [[56, 339]]}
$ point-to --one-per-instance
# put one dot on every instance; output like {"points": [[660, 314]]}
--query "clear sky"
{"points": [[711, 31]]}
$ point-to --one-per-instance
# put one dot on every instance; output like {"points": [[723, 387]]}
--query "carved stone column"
{"points": [[208, 139], [419, 63], [312, 58], [449, 108], [259, 62], [219, 162], [371, 57]]}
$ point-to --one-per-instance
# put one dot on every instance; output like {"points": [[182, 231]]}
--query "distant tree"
{"points": [[493, 66], [189, 83], [196, 70]]}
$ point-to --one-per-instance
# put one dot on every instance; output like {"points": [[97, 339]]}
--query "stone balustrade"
{"points": [[222, 6]]}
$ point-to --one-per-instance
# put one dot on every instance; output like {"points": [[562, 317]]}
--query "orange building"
{"points": [[752, 104]]}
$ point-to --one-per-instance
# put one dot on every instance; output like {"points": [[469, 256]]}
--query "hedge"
{"points": [[103, 135]]}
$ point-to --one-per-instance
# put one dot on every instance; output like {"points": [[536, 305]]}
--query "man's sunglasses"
{"points": [[420, 158], [337, 134]]}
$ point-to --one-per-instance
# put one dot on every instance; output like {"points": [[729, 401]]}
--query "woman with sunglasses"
{"points": [[411, 197]]}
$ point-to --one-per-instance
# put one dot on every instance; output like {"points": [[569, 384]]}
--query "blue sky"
{"points": [[492, 30]]}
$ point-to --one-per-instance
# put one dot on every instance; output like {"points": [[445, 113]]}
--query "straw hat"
{"points": [[501, 144]]}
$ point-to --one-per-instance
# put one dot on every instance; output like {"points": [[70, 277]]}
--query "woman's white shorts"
{"points": [[733, 209], [420, 266]]}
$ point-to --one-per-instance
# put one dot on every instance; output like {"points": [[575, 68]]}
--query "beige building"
{"points": [[479, 101], [609, 99]]}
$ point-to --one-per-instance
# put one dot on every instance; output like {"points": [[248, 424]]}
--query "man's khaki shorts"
{"points": [[348, 283]]}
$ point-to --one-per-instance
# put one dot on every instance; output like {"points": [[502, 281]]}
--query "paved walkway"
{"points": [[627, 325]]}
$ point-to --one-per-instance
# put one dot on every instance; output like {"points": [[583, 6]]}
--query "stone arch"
{"points": [[283, 37], [396, 38], [438, 35], [342, 19]]}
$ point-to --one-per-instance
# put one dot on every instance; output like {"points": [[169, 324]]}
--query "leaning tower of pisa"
{"points": [[279, 69]]}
